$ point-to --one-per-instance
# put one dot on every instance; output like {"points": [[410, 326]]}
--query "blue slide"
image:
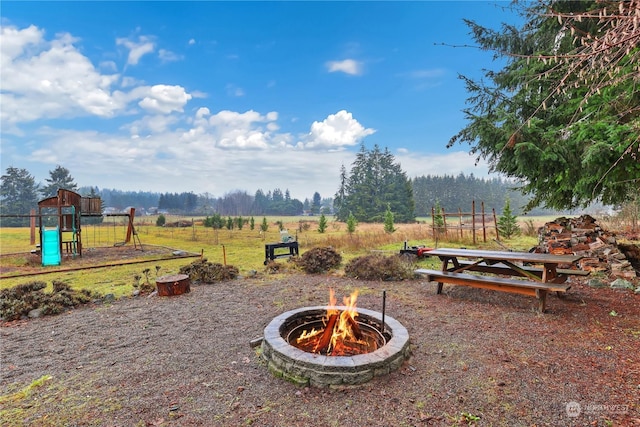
{"points": [[51, 247]]}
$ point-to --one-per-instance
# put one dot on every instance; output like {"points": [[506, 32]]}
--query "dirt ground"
{"points": [[479, 357]]}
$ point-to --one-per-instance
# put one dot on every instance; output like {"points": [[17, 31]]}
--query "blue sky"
{"points": [[213, 97]]}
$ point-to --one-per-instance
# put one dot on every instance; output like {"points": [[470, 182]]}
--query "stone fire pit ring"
{"points": [[317, 370]]}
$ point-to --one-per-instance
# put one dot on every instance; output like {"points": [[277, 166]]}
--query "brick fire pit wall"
{"points": [[310, 369]]}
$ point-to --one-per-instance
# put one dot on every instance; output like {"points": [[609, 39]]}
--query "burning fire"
{"points": [[341, 335]]}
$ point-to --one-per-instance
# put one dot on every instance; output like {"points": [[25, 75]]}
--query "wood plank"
{"points": [[499, 268], [497, 282], [523, 287]]}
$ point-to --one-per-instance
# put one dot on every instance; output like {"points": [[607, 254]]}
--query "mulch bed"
{"points": [[478, 357]]}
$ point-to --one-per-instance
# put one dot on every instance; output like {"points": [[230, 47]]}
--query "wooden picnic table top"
{"points": [[505, 256]]}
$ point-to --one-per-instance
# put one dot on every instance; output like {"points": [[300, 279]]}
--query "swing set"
{"points": [[60, 226]]}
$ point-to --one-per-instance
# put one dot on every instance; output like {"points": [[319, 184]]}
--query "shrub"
{"points": [[380, 267], [161, 220], [318, 260], [207, 272], [17, 302], [273, 267]]}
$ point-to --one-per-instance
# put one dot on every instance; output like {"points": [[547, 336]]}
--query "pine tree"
{"points": [[59, 178], [351, 223], [508, 223], [19, 194], [322, 224], [374, 182], [388, 220]]}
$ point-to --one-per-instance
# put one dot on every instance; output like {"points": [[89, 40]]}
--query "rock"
{"points": [[621, 284], [108, 298], [596, 283], [135, 292], [35, 313]]}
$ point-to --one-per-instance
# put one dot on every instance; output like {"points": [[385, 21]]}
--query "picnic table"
{"points": [[538, 273]]}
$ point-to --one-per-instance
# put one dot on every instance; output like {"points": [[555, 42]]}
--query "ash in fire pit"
{"points": [[333, 345]]}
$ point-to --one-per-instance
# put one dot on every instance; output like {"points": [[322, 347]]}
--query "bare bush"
{"points": [[380, 267]]}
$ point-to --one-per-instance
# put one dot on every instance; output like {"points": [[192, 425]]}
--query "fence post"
{"points": [[473, 220]]}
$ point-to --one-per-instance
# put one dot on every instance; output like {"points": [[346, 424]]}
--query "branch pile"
{"points": [[583, 236]]}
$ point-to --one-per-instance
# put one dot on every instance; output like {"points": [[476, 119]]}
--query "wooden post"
{"points": [[460, 222], [444, 220], [32, 223], [132, 214], [433, 222], [473, 220], [495, 222], [484, 225]]}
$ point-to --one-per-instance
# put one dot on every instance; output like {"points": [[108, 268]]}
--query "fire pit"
{"points": [[333, 345]]}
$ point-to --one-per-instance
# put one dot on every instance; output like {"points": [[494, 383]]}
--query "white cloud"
{"points": [[137, 49], [163, 99], [348, 66], [336, 132], [50, 79], [168, 56]]}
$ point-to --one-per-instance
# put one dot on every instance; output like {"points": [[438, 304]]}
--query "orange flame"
{"points": [[345, 334]]}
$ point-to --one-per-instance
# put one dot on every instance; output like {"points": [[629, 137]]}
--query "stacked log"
{"points": [[583, 236]]}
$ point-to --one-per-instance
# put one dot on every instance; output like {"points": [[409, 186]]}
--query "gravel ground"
{"points": [[478, 357]]}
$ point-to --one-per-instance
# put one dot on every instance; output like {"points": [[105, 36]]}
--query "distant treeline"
{"points": [[459, 192], [451, 192]]}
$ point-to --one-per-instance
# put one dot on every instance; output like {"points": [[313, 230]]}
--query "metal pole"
{"points": [[384, 307]]}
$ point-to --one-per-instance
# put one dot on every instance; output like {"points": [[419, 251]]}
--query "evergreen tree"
{"points": [[252, 224], [229, 223], [438, 218], [316, 203], [508, 222], [562, 117], [388, 220], [322, 224], [264, 226], [18, 194], [339, 200], [351, 223], [59, 178], [374, 182], [239, 223]]}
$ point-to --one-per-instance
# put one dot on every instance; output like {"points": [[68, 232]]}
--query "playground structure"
{"points": [[60, 225]]}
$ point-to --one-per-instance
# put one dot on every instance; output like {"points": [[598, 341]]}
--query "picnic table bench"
{"points": [[535, 281]]}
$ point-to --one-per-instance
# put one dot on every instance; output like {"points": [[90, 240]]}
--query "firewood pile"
{"points": [[583, 236]]}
